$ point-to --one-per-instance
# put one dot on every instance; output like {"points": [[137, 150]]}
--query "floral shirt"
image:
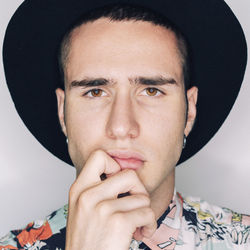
{"points": [[189, 223]]}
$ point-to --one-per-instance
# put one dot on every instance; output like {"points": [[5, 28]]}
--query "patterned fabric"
{"points": [[187, 224]]}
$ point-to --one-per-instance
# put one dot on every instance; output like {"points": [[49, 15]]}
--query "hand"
{"points": [[97, 218]]}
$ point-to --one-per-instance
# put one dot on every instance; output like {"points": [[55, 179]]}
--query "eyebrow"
{"points": [[158, 80], [90, 82], [138, 80]]}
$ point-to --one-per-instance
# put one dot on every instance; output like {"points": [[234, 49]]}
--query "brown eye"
{"points": [[152, 91], [96, 92]]}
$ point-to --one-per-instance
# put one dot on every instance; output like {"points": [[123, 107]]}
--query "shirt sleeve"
{"points": [[49, 233], [32, 235]]}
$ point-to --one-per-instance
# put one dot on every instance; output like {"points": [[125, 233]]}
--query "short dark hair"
{"points": [[127, 12]]}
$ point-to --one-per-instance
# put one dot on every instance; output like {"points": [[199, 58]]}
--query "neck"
{"points": [[162, 196]]}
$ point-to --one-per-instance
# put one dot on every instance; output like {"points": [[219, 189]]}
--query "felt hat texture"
{"points": [[218, 51]]}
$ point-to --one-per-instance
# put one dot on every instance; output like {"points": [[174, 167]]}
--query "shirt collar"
{"points": [[166, 235]]}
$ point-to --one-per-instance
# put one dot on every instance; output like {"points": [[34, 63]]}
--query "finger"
{"points": [[108, 207], [98, 163], [126, 181], [150, 223], [143, 218]]}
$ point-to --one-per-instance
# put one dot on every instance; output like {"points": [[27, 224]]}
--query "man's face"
{"points": [[129, 112]]}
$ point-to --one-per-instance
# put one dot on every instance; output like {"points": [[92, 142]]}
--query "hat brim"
{"points": [[219, 56]]}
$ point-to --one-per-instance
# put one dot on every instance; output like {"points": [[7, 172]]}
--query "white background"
{"points": [[33, 182]]}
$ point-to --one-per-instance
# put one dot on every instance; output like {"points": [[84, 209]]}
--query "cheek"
{"points": [[85, 131], [166, 120], [82, 121], [165, 129]]}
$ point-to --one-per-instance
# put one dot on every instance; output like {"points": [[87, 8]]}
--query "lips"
{"points": [[128, 163], [127, 159]]}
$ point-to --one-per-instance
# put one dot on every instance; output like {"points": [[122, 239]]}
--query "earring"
{"points": [[67, 140], [184, 141]]}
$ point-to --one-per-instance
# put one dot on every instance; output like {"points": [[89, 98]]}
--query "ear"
{"points": [[60, 95], [192, 95]]}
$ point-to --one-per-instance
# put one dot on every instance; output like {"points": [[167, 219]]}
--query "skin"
{"points": [[122, 116]]}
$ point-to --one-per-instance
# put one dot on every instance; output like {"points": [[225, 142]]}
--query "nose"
{"points": [[122, 122]]}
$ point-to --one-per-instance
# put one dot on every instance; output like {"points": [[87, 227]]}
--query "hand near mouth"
{"points": [[98, 218]]}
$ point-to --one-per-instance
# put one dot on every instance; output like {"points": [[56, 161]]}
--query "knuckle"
{"points": [[131, 174], [84, 201], [117, 220], [73, 191], [145, 200], [85, 196], [150, 214], [97, 154], [103, 209]]}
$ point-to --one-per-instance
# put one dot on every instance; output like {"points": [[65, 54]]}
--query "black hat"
{"points": [[219, 56]]}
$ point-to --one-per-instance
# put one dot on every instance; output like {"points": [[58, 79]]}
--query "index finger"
{"points": [[97, 164]]}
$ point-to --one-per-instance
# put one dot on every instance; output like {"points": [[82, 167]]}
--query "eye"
{"points": [[153, 92], [94, 93]]}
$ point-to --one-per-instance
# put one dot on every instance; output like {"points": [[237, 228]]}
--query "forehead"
{"points": [[122, 47]]}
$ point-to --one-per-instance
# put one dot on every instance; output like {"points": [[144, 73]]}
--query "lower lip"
{"points": [[130, 163]]}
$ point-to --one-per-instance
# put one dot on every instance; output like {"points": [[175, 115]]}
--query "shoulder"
{"points": [[40, 234], [216, 225]]}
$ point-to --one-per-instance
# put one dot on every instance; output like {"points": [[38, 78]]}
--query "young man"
{"points": [[126, 106]]}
